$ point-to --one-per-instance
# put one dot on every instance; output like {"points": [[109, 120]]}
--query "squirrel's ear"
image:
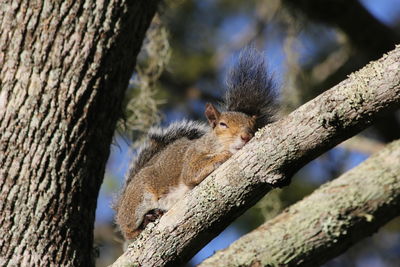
{"points": [[212, 114]]}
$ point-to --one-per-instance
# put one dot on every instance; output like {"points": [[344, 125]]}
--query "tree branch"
{"points": [[269, 160], [370, 36], [327, 222]]}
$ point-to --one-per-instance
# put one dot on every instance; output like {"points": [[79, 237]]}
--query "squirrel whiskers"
{"points": [[175, 159]]}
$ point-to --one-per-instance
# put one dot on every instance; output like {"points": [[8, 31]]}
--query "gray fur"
{"points": [[251, 88], [177, 130], [250, 91], [158, 138]]}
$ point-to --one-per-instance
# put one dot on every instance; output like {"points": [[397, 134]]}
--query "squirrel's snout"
{"points": [[246, 137]]}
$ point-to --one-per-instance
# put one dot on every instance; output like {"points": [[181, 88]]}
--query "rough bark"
{"points": [[64, 68], [270, 159], [365, 32], [327, 222]]}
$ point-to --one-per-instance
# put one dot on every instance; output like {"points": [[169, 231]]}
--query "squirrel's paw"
{"points": [[151, 216]]}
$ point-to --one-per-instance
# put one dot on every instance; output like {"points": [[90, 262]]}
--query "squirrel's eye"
{"points": [[223, 125]]}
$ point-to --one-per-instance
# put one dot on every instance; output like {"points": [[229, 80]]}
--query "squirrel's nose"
{"points": [[245, 137]]}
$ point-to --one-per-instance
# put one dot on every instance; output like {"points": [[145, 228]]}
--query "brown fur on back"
{"points": [[184, 162], [179, 157]]}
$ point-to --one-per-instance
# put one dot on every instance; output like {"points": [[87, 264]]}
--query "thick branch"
{"points": [[327, 222], [270, 159], [370, 36]]}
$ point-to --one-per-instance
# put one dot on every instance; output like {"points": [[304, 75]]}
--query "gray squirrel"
{"points": [[175, 159]]}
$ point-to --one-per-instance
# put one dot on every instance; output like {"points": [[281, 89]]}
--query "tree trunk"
{"points": [[275, 153], [327, 222], [64, 68]]}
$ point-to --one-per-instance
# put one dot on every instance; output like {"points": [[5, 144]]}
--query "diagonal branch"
{"points": [[270, 159], [366, 33], [327, 222]]}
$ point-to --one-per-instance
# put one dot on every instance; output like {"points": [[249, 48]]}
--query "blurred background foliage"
{"points": [[310, 46]]}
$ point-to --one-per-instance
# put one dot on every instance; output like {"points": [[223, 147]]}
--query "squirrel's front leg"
{"points": [[200, 167]]}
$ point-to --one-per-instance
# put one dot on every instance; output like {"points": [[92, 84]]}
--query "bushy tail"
{"points": [[251, 89]]}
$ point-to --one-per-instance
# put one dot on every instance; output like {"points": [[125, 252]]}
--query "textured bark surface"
{"points": [[327, 222], [365, 32], [64, 69], [269, 159]]}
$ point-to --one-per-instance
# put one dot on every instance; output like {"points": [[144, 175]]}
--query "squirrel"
{"points": [[175, 159]]}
